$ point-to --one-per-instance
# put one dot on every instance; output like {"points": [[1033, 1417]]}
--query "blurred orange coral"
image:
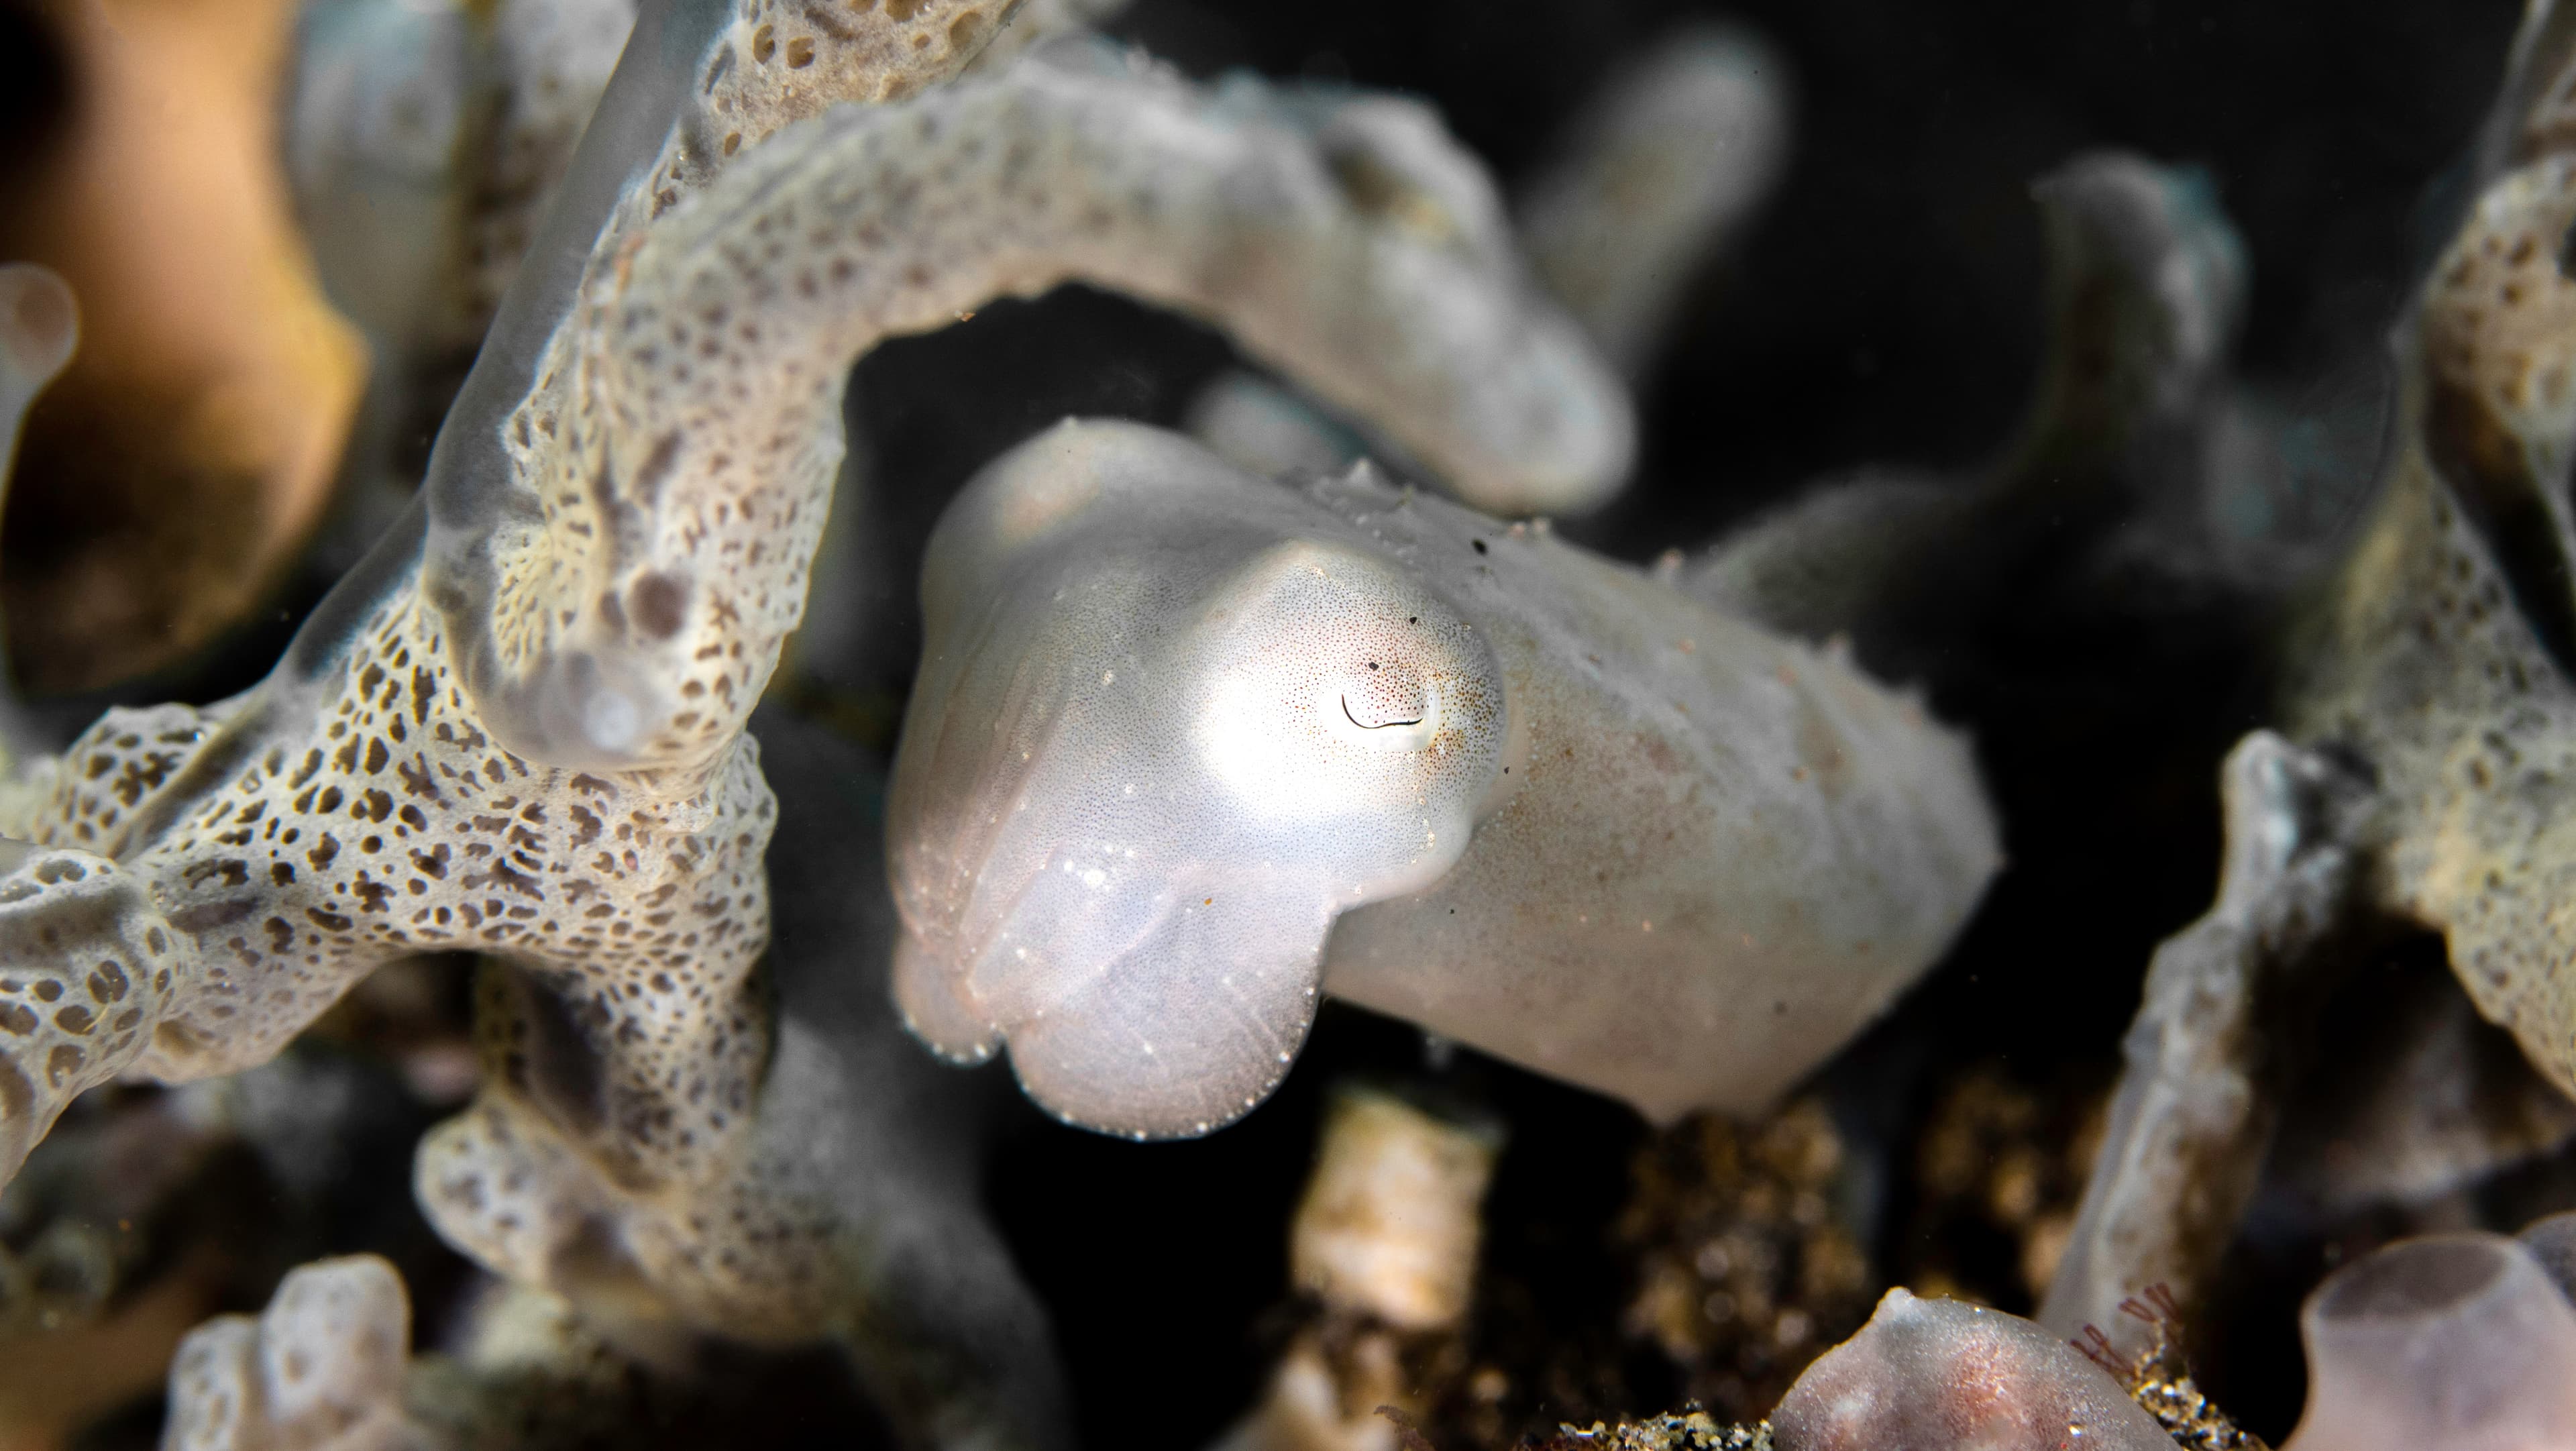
{"points": [[170, 476]]}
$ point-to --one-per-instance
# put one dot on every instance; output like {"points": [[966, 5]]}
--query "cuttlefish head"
{"points": [[1171, 721]]}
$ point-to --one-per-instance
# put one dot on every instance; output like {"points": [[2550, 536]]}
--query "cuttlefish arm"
{"points": [[1188, 748]]}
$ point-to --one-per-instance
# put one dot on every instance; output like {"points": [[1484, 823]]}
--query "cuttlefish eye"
{"points": [[1338, 689]]}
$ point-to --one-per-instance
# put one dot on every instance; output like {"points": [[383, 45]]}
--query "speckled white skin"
{"points": [[1939, 1375], [321, 1369], [1176, 727], [2459, 1341]]}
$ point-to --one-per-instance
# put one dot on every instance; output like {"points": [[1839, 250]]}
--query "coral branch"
{"points": [[1664, 168], [673, 476], [2200, 1094]]}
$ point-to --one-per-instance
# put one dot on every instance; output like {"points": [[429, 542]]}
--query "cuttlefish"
{"points": [[1189, 747]]}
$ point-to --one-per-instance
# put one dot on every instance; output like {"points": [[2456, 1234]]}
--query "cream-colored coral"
{"points": [[2445, 658], [1657, 174], [1392, 1217], [670, 473], [2427, 736], [321, 1369], [1385, 1240], [517, 729], [202, 882]]}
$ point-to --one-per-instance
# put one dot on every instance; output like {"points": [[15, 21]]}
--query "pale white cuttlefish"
{"points": [[1188, 747]]}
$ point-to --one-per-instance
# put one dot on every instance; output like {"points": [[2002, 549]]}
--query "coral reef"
{"points": [[2440, 661], [2428, 698], [633, 1043], [424, 144], [1623, 960]]}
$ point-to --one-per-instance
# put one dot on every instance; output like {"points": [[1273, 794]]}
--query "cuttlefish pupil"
{"points": [[1381, 725]]}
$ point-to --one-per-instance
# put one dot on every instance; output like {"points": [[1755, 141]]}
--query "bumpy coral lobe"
{"points": [[321, 1369]]}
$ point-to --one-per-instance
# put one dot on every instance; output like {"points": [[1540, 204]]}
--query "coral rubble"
{"points": [[321, 1368], [1747, 1264]]}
